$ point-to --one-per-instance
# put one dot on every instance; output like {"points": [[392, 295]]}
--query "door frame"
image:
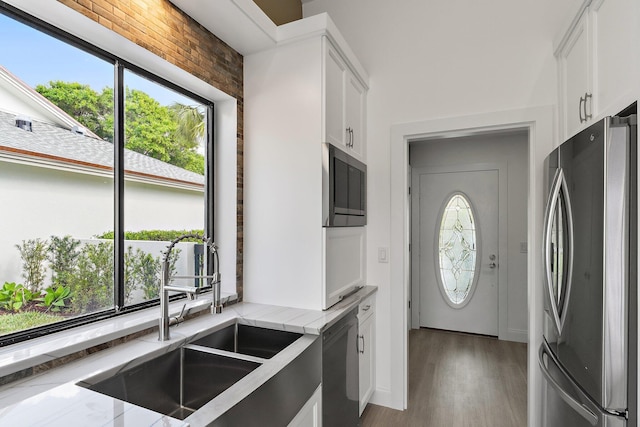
{"points": [[501, 167], [543, 137]]}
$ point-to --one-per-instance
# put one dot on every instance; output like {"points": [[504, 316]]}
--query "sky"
{"points": [[37, 58]]}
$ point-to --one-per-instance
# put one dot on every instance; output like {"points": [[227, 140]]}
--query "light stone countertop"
{"points": [[52, 397]]}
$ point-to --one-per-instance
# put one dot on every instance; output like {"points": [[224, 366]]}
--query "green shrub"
{"points": [[33, 253], [153, 235], [62, 254], [91, 284], [146, 270]]}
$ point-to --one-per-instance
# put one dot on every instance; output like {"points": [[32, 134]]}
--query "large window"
{"points": [[102, 164]]}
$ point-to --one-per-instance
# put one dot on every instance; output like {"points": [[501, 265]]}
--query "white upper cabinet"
{"points": [[615, 44], [575, 76], [307, 90], [597, 60], [354, 116], [334, 71], [344, 107]]}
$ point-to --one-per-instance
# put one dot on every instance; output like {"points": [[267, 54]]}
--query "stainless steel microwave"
{"points": [[344, 189]]}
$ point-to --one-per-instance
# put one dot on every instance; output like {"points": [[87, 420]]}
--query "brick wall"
{"points": [[160, 27]]}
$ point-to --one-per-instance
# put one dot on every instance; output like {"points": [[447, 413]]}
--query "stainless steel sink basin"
{"points": [[176, 383], [250, 340]]}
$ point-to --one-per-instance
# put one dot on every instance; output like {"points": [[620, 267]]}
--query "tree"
{"points": [[149, 127], [190, 134], [172, 134], [92, 109]]}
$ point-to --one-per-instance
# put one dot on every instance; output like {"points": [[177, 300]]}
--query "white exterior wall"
{"points": [[39, 202], [432, 60]]}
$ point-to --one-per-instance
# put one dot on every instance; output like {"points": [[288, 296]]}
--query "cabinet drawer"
{"points": [[366, 308]]}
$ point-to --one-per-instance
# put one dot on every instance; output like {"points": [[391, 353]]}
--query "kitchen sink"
{"points": [[175, 383], [250, 340]]}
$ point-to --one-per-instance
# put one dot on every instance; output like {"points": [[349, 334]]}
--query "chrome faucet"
{"points": [[192, 291]]}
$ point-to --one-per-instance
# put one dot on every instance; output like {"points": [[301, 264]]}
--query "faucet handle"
{"points": [[176, 320], [181, 315]]}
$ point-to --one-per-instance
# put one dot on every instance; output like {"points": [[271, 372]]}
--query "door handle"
{"points": [[492, 265], [570, 400], [558, 195], [580, 108]]}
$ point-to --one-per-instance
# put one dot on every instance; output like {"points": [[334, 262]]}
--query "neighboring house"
{"points": [[56, 179]]}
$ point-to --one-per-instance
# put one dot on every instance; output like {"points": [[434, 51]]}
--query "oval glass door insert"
{"points": [[457, 251]]}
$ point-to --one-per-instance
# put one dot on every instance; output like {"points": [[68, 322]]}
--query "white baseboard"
{"points": [[383, 397], [517, 335]]}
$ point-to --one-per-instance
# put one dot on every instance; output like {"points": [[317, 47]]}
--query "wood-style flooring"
{"points": [[460, 380]]}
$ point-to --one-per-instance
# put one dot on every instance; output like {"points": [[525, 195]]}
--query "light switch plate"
{"points": [[523, 247], [382, 255]]}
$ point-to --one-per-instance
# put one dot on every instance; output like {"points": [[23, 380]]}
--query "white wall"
{"points": [[429, 60], [39, 202], [509, 149]]}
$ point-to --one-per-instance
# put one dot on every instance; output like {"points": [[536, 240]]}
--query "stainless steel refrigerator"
{"points": [[588, 356]]}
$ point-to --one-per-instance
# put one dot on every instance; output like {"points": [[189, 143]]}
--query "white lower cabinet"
{"points": [[311, 413], [366, 349]]}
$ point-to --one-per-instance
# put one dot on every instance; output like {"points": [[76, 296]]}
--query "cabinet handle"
{"points": [[350, 137], [362, 338], [588, 97], [366, 307], [580, 108]]}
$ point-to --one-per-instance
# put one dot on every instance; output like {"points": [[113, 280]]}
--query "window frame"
{"points": [[119, 65]]}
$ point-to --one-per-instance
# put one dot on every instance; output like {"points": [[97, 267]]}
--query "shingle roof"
{"points": [[52, 142]]}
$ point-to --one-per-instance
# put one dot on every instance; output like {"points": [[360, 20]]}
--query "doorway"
{"points": [[539, 123], [485, 262]]}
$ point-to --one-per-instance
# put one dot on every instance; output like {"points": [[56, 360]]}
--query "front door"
{"points": [[456, 215]]}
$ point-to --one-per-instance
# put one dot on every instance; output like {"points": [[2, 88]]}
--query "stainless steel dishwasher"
{"points": [[340, 373]]}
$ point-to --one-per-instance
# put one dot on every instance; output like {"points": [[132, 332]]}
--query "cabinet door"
{"points": [[615, 38], [334, 89], [366, 350], [311, 413], [575, 77], [354, 116], [345, 256]]}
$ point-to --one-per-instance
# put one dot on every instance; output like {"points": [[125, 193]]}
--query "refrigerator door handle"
{"points": [[558, 199], [583, 411]]}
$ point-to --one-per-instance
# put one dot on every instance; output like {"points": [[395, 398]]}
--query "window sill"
{"points": [[30, 357]]}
